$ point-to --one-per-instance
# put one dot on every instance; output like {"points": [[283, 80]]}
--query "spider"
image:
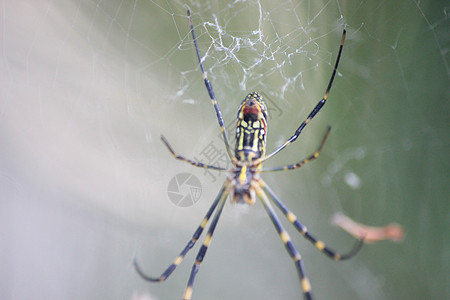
{"points": [[244, 183]]}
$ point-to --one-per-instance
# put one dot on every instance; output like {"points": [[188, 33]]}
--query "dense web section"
{"points": [[88, 87], [264, 50]]}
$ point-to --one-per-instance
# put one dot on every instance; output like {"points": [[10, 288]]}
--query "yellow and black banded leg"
{"points": [[188, 247], [304, 231], [295, 255], [202, 252], [316, 108], [211, 93], [303, 162], [190, 161]]}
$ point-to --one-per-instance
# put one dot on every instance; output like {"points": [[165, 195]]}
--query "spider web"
{"points": [[87, 88]]}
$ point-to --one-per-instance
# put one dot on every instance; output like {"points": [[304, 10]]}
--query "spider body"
{"points": [[244, 183], [251, 129]]}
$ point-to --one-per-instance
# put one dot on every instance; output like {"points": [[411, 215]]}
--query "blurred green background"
{"points": [[87, 87]]}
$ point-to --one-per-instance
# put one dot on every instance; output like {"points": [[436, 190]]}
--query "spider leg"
{"points": [[202, 252], [304, 231], [190, 161], [295, 255], [303, 162], [189, 245], [211, 93], [315, 110]]}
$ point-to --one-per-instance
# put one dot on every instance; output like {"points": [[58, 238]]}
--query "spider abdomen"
{"points": [[251, 129]]}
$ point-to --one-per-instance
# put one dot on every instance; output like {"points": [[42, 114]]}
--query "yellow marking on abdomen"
{"points": [[255, 141], [240, 142]]}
